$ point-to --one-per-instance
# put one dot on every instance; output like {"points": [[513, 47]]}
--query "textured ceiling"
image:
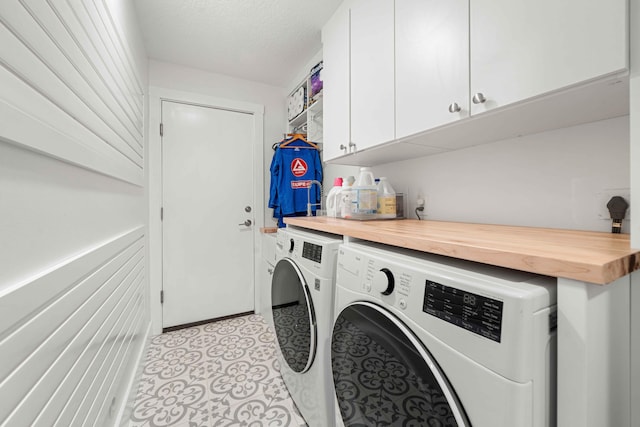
{"points": [[268, 41]]}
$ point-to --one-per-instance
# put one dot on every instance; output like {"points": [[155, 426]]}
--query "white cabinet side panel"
{"points": [[594, 353]]}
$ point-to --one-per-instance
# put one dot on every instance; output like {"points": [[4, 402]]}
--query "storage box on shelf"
{"points": [[304, 106]]}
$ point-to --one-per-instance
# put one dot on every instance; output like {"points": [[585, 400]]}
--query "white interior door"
{"points": [[207, 187]]}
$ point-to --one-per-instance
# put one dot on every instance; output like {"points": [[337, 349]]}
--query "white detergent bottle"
{"points": [[345, 198], [386, 199], [332, 198], [365, 202]]}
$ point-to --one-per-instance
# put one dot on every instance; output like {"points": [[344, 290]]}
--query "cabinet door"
{"points": [[335, 78], [432, 63], [372, 73], [523, 48]]}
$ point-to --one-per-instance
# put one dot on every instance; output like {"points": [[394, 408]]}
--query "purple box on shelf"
{"points": [[316, 80]]}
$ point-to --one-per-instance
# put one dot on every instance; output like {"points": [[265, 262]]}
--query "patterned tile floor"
{"points": [[222, 374]]}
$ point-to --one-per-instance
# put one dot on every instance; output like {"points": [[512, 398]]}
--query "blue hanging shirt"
{"points": [[292, 170]]}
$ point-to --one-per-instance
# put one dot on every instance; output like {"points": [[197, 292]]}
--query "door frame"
{"points": [[153, 181]]}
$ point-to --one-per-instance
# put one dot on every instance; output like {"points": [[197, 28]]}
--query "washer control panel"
{"points": [[476, 313], [383, 281]]}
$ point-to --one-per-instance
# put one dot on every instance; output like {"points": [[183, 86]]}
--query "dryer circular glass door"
{"points": [[383, 375], [293, 315]]}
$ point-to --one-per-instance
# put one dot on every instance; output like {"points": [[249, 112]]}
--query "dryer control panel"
{"points": [[476, 313], [312, 252]]}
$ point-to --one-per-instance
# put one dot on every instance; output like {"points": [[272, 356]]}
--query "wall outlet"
{"points": [[603, 197]]}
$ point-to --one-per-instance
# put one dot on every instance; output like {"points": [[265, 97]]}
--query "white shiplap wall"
{"points": [[73, 289]]}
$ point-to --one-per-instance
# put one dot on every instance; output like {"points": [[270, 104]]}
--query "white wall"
{"points": [[72, 282], [551, 179], [176, 77]]}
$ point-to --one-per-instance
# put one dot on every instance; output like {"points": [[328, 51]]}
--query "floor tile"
{"points": [[224, 373], [176, 401], [257, 411]]}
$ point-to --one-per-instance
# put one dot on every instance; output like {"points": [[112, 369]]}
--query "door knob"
{"points": [[246, 223], [479, 98], [247, 209]]}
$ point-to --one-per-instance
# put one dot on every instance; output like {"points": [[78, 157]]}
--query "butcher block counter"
{"points": [[598, 333], [593, 257]]}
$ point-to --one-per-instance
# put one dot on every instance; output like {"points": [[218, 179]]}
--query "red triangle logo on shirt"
{"points": [[298, 167]]}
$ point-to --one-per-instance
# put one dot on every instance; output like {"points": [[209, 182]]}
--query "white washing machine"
{"points": [[302, 299], [424, 340]]}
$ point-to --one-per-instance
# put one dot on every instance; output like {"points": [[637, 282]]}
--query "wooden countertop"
{"points": [[588, 256]]}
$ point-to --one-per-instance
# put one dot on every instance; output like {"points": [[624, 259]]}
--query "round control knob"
{"points": [[383, 281]]}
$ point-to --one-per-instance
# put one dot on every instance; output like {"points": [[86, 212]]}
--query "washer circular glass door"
{"points": [[293, 315], [384, 375]]}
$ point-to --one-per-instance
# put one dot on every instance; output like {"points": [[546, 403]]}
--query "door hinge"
{"points": [[161, 129], [161, 214], [161, 297]]}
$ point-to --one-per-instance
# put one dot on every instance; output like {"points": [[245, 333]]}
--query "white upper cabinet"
{"points": [[432, 64], [372, 73], [521, 49], [423, 72], [336, 88]]}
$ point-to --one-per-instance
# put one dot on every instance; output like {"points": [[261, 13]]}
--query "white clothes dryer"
{"points": [[302, 299], [425, 340]]}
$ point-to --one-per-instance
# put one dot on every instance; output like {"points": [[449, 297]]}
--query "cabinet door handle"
{"points": [[479, 98], [352, 145], [454, 108], [343, 147]]}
